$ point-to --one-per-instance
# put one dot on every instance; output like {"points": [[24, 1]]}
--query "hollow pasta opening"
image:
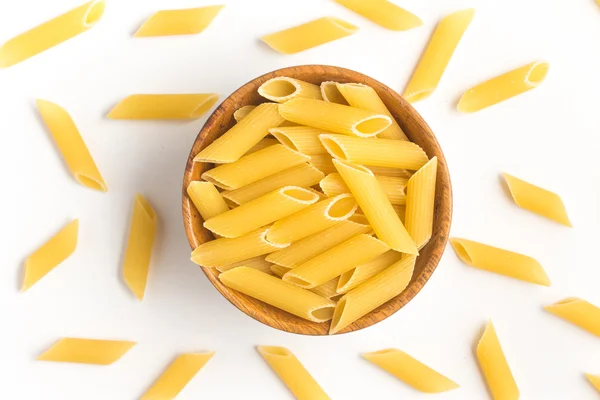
{"points": [[340, 208], [90, 182], [145, 206], [537, 73], [298, 281], [333, 147], [337, 315], [300, 195], [204, 106], [372, 126], [323, 314], [274, 351], [345, 279], [568, 300], [278, 89], [331, 93], [346, 164], [94, 13], [461, 251], [418, 96], [348, 27], [284, 139], [217, 182]]}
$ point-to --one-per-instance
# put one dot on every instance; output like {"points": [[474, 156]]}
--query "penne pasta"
{"points": [[334, 117], [377, 208], [50, 254], [292, 373], [163, 106], [384, 171], [383, 13], [312, 219], [308, 35], [503, 87], [335, 261], [322, 162], [494, 366], [281, 89], [207, 199], [331, 94], [222, 252], [51, 33], [254, 167], [178, 22], [373, 293], [303, 139], [139, 246], [377, 152], [279, 270], [241, 112], [177, 375], [420, 203], [234, 143], [365, 97], [411, 371], [261, 211], [326, 290], [400, 212], [263, 144], [333, 185], [359, 274], [594, 380], [71, 145], [437, 55], [500, 261], [280, 294], [578, 312], [258, 263], [86, 351], [535, 199]]}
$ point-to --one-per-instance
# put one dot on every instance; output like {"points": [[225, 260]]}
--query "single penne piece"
{"points": [[234, 143], [420, 203], [207, 199], [289, 369], [377, 152], [164, 106], [333, 185], [372, 293], [437, 55], [258, 263], [254, 167], [322, 162], [222, 252], [303, 139], [272, 290], [71, 145], [537, 200], [241, 112], [334, 117], [331, 93], [578, 312], [142, 231], [51, 33], [263, 144], [494, 366], [308, 35], [187, 21], [594, 379], [86, 351], [312, 219], [500, 261], [383, 13], [411, 371], [359, 274], [281, 89], [503, 87], [303, 175], [376, 207], [51, 254], [261, 211], [336, 261]]}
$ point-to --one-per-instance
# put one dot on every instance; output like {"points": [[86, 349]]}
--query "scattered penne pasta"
{"points": [[594, 380], [86, 351], [163, 106], [420, 205], [207, 199], [258, 263], [331, 94], [359, 274], [241, 112], [578, 312], [281, 89], [394, 187], [383, 13], [178, 22], [303, 139]]}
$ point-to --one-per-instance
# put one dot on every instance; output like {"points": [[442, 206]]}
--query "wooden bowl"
{"points": [[415, 128]]}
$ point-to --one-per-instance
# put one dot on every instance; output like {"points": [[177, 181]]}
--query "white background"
{"points": [[549, 136]]}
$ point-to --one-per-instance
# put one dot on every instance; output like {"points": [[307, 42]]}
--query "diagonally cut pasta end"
{"points": [[94, 13], [300, 195], [536, 75], [276, 351], [333, 147], [204, 105], [343, 25], [371, 126], [296, 280], [341, 207], [461, 251], [337, 323], [413, 97], [279, 89], [562, 303], [88, 181], [150, 213]]}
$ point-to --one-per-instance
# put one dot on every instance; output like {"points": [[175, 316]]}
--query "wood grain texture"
{"points": [[415, 128]]}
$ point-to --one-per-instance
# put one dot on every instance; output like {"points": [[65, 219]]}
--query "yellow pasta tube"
{"points": [[373, 293], [420, 203], [336, 261], [281, 89], [86, 351], [383, 13], [437, 55], [163, 106], [331, 93], [503, 87], [377, 208], [207, 199], [578, 312], [258, 263], [280, 294], [71, 145], [594, 380], [242, 136], [241, 112], [365, 97], [262, 144], [303, 139], [177, 376], [52, 253], [261, 211], [139, 246], [535, 199], [494, 366], [333, 184], [334, 117], [51, 33], [377, 152], [292, 373], [222, 252], [410, 370], [322, 162], [500, 261], [359, 274], [254, 167], [178, 22], [308, 35], [312, 219]]}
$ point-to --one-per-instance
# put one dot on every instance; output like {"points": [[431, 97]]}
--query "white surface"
{"points": [[549, 136]]}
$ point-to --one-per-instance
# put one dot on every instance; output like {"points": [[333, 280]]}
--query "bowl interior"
{"points": [[414, 127]]}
